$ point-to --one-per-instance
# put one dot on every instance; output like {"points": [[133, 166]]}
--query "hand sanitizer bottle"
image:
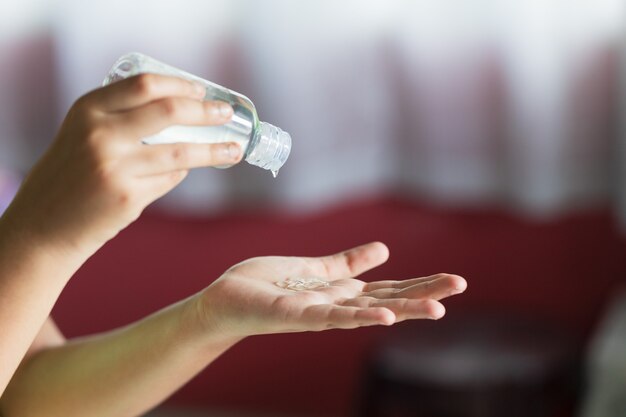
{"points": [[263, 144]]}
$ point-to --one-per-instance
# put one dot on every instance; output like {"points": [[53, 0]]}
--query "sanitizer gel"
{"points": [[263, 144]]}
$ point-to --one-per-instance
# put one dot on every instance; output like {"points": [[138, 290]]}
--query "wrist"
{"points": [[207, 329], [23, 227], [22, 246]]}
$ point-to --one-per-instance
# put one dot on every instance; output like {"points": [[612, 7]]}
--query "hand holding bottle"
{"points": [[97, 176], [263, 144], [293, 294]]}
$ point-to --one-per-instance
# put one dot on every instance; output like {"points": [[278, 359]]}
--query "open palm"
{"points": [[250, 297]]}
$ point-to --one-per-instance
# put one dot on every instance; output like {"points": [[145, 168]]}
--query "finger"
{"points": [[403, 308], [158, 185], [437, 289], [162, 158], [155, 116], [142, 89], [353, 262], [329, 316], [398, 284]]}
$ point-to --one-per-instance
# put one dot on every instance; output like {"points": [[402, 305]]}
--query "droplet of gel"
{"points": [[302, 284]]}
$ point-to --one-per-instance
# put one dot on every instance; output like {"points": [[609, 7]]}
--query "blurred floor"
{"points": [[190, 412]]}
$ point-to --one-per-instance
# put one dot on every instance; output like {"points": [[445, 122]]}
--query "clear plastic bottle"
{"points": [[264, 145]]}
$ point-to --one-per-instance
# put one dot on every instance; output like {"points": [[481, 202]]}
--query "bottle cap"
{"points": [[269, 148]]}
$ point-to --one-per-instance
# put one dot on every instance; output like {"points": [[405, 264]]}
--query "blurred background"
{"points": [[483, 138]]}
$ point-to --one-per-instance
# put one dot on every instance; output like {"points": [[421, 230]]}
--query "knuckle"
{"points": [[99, 143], [170, 108], [124, 198], [145, 84], [106, 175], [213, 155], [81, 110], [179, 154], [96, 136], [110, 180], [81, 103]]}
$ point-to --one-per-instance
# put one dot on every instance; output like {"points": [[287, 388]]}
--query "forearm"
{"points": [[121, 373], [33, 273]]}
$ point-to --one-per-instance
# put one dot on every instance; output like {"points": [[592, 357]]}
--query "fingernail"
{"points": [[234, 151], [225, 109], [199, 90]]}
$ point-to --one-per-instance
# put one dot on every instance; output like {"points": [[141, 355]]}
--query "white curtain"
{"points": [[472, 103]]}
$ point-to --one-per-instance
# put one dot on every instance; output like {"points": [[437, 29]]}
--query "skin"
{"points": [[95, 179]]}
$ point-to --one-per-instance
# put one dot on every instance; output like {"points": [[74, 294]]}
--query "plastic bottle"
{"points": [[263, 144]]}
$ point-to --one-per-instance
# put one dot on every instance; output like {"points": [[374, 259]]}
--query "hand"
{"points": [[97, 176], [246, 299]]}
